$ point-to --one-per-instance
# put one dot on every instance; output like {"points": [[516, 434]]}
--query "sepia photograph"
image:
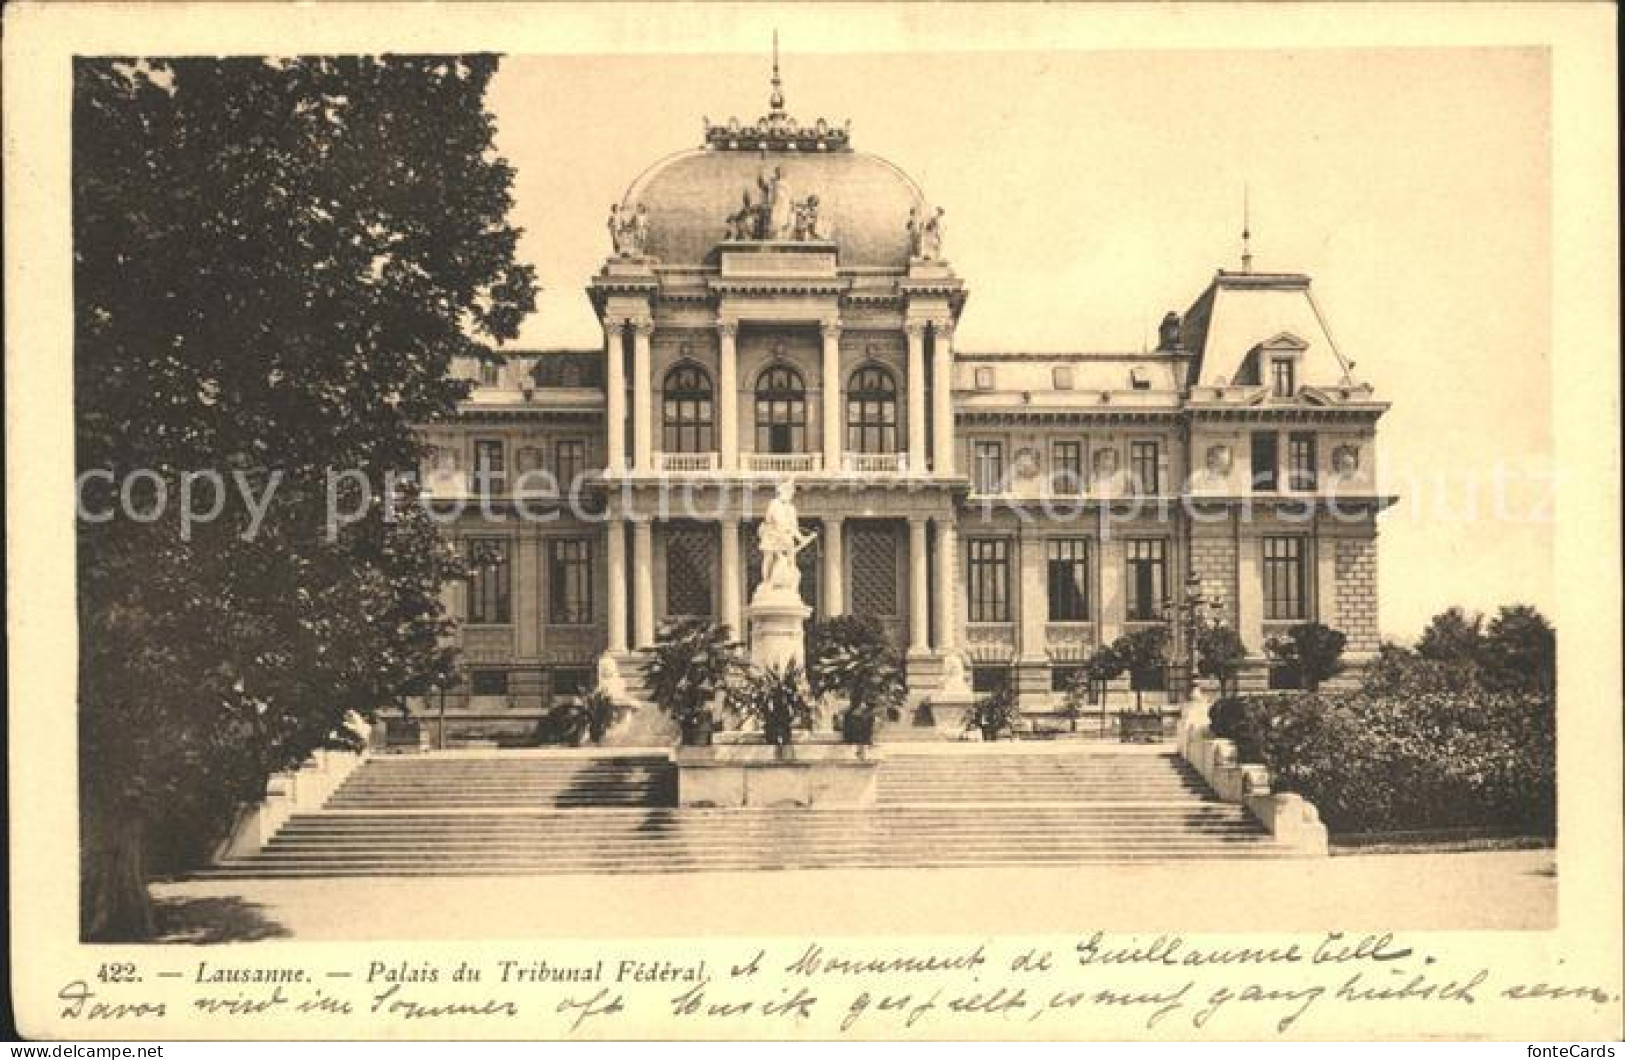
{"points": [[759, 482]]}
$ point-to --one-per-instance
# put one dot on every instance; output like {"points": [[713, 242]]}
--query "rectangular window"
{"points": [[490, 373], [488, 682], [989, 599], [989, 467], [1284, 597], [1301, 460], [569, 461], [1265, 461], [1069, 580], [490, 466], [986, 680], [569, 580], [571, 681], [1147, 578], [1063, 676], [1282, 377], [1143, 459], [1066, 474], [488, 581]]}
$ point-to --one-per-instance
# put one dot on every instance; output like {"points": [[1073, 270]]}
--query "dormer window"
{"points": [[1283, 377], [1063, 377], [1139, 378], [984, 379], [490, 374]]}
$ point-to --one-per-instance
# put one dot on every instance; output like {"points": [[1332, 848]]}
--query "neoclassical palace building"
{"points": [[778, 304]]}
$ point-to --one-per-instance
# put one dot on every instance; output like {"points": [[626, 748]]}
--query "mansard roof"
{"points": [[1242, 315]]}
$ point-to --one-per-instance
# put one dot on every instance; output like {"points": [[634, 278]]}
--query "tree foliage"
{"points": [[1144, 654], [275, 262], [691, 662], [853, 659], [1219, 652], [1312, 651]]}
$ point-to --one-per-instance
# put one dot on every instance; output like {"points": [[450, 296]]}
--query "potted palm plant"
{"points": [[691, 663], [853, 661], [776, 698]]}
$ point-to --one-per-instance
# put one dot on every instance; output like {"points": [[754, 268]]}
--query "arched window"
{"points": [[687, 410], [781, 411], [871, 411]]}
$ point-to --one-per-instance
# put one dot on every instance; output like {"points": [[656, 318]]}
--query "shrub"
{"points": [[777, 698], [1102, 667], [1414, 759], [1311, 651], [576, 719], [994, 713], [691, 662], [1219, 651], [853, 660], [1144, 654]]}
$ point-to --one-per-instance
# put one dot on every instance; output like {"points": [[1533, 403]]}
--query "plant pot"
{"points": [[696, 732], [858, 728]]}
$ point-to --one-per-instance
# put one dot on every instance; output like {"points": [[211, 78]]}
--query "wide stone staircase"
{"points": [[535, 813]]}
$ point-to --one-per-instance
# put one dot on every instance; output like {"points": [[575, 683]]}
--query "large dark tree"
{"points": [[275, 263]]}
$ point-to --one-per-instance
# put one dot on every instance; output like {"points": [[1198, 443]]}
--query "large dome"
{"points": [[863, 202]]}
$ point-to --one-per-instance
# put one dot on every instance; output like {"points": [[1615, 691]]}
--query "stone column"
{"points": [[728, 395], [527, 593], [832, 594], [643, 587], [1113, 604], [1249, 592], [916, 398], [732, 570], [919, 588], [833, 442], [1324, 599], [942, 399], [615, 398], [616, 572], [1032, 660], [947, 582], [642, 393]]}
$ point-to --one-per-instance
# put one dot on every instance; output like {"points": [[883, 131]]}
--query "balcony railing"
{"points": [[877, 463], [783, 463], [688, 462]]}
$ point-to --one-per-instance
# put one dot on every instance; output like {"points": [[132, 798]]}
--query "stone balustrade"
{"points": [[687, 462], [1290, 818], [783, 463]]}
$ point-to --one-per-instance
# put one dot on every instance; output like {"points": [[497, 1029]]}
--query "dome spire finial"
{"points": [[1246, 230], [775, 102], [777, 130]]}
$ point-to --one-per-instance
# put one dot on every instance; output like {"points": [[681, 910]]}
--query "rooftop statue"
{"points": [[806, 226], [776, 216], [778, 209], [925, 234], [629, 231]]}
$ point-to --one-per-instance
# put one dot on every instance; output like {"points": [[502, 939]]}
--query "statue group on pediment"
{"points": [[629, 231], [925, 234], [776, 215]]}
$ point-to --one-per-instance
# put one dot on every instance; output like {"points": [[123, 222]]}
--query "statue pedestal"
{"points": [[776, 624], [810, 773]]}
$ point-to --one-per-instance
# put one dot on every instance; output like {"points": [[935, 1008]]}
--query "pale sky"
{"points": [[1089, 192]]}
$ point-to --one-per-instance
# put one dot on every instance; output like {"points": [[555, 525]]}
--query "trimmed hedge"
{"points": [[1376, 761]]}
